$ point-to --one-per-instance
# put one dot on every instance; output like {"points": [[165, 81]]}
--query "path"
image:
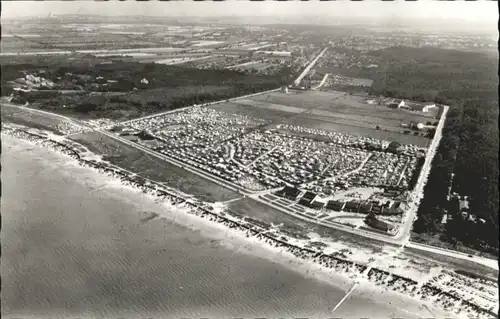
{"points": [[322, 82], [418, 191], [261, 156], [345, 297]]}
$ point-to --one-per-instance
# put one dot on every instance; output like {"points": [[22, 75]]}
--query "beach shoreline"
{"points": [[256, 241]]}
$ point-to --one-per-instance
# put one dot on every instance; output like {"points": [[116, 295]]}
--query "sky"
{"points": [[474, 12]]}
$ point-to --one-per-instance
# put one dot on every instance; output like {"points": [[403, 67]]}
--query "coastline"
{"points": [[254, 240]]}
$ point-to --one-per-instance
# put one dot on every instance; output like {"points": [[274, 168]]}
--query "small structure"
{"points": [[444, 220]]}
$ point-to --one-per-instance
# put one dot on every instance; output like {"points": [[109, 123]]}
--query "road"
{"points": [[399, 241], [418, 192], [322, 82], [308, 68]]}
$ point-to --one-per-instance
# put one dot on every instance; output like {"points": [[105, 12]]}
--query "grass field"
{"points": [[153, 168], [455, 263], [238, 108], [333, 111], [257, 210], [30, 119]]}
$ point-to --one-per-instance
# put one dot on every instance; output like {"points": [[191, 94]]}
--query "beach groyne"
{"points": [[259, 230]]}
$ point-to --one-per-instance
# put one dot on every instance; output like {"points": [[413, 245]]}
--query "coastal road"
{"points": [[400, 241]]}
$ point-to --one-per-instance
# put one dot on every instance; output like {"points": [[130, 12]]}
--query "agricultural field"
{"points": [[153, 168]]}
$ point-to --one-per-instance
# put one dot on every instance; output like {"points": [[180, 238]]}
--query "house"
{"points": [[444, 220], [391, 191], [463, 205], [399, 103], [335, 205], [317, 205], [310, 196], [365, 208], [372, 221], [289, 192], [419, 107], [395, 209], [352, 206], [304, 202], [376, 209]]}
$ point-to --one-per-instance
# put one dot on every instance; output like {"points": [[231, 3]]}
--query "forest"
{"points": [[468, 83], [123, 90]]}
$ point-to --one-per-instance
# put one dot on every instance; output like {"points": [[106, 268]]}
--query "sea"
{"points": [[77, 246]]}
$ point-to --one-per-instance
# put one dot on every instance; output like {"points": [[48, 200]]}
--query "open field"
{"points": [[30, 119], [459, 264], [334, 111], [153, 168], [328, 124], [262, 212], [238, 108]]}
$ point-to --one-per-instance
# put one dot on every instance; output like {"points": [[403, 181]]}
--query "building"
{"points": [[396, 208], [317, 205], [419, 107], [392, 191], [365, 208], [289, 192], [335, 205], [352, 206], [307, 199], [309, 196], [373, 222], [376, 209]]}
